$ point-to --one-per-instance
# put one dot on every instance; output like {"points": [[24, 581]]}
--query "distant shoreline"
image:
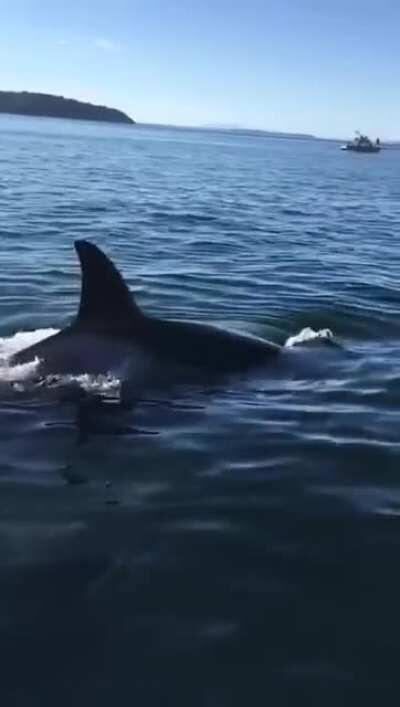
{"points": [[44, 105], [240, 132], [258, 133], [104, 114]]}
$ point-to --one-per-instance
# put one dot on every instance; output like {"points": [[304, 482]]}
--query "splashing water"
{"points": [[10, 345], [20, 375], [308, 336]]}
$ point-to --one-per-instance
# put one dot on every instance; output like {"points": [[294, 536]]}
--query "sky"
{"points": [[325, 67]]}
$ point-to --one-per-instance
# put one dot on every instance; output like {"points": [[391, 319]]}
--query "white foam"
{"points": [[19, 375], [10, 345], [308, 335], [90, 383]]}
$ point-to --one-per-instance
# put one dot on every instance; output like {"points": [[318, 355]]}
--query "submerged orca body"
{"points": [[110, 331]]}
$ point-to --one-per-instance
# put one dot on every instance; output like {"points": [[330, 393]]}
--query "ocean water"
{"points": [[222, 545]]}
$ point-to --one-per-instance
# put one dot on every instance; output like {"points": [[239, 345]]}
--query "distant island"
{"points": [[236, 130], [48, 106], [248, 132], [255, 132]]}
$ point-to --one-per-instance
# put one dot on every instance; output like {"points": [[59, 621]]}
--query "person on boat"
{"points": [[378, 142]]}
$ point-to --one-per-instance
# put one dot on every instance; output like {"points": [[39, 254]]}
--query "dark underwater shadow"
{"points": [[302, 601]]}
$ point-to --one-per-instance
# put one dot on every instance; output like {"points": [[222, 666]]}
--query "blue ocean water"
{"points": [[237, 543]]}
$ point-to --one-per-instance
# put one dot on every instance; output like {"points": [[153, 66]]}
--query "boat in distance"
{"points": [[362, 143]]}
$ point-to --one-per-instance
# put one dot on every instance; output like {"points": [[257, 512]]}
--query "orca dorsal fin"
{"points": [[105, 296]]}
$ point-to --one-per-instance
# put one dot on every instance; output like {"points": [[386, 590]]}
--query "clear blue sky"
{"points": [[322, 66]]}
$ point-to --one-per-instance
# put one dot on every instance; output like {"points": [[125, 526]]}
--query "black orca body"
{"points": [[110, 330]]}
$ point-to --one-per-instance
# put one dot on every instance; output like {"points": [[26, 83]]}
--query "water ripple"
{"points": [[250, 524]]}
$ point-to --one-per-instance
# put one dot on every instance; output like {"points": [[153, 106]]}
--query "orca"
{"points": [[112, 335]]}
